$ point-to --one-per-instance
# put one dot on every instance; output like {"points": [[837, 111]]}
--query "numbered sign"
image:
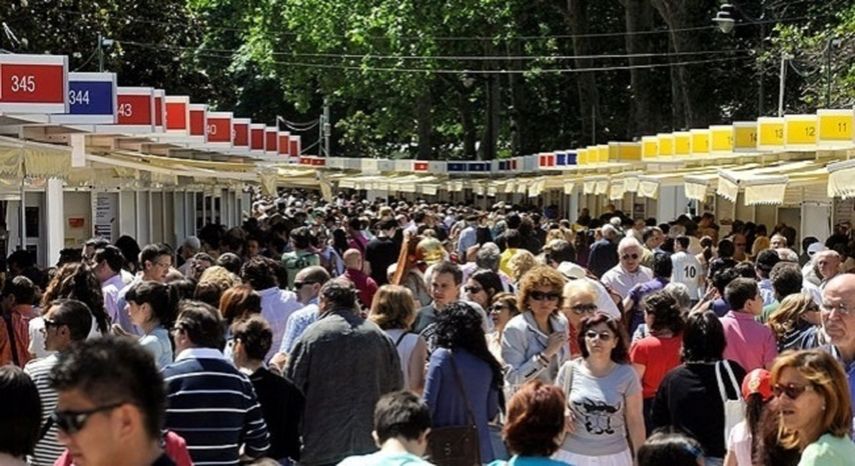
{"points": [[721, 139], [745, 136], [682, 143], [91, 99], [649, 147], [33, 83], [219, 129], [835, 126], [177, 114], [770, 133], [159, 111], [283, 144], [256, 138], [666, 144], [271, 141], [198, 119], [800, 130], [700, 141], [135, 108], [240, 133]]}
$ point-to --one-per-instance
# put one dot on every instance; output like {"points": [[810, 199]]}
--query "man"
{"points": [[110, 401], [740, 245], [652, 238], [686, 269], [107, 265], [382, 251], [361, 281], [343, 364], [786, 280], [189, 248], [828, 266], [766, 260], [276, 304], [604, 252], [91, 246], [628, 272], [445, 283], [211, 404], [632, 303], [468, 237], [67, 321], [401, 427], [513, 241], [749, 342], [302, 255], [155, 262], [17, 306], [838, 322], [488, 257], [778, 241], [308, 285]]}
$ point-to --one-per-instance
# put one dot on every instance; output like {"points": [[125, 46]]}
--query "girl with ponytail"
{"points": [[153, 308]]}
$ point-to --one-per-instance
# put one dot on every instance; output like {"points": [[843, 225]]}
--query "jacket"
{"points": [[522, 341]]}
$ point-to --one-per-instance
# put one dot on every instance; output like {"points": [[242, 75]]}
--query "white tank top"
{"points": [[405, 347]]}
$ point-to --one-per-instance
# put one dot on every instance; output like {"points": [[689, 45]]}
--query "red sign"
{"points": [[295, 146], [176, 115], [283, 144], [257, 139], [219, 129], [319, 161], [241, 134], [420, 166], [197, 122], [134, 109], [305, 160], [25, 83], [270, 141], [158, 110], [547, 160]]}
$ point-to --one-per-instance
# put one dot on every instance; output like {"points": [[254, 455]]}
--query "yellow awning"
{"points": [[841, 179]]}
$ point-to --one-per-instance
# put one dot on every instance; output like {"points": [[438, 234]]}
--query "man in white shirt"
{"points": [[107, 264], [629, 271], [276, 304], [686, 268]]}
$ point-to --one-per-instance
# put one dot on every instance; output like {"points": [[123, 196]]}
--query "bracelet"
{"points": [[542, 358]]}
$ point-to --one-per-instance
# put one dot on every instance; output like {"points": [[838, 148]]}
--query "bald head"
{"points": [[828, 263], [352, 259]]}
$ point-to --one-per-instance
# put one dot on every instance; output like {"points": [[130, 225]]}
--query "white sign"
{"points": [[105, 215]]}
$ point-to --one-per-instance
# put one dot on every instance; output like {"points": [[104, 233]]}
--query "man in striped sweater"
{"points": [[210, 403]]}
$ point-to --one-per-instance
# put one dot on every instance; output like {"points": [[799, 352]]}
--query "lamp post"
{"points": [[726, 19]]}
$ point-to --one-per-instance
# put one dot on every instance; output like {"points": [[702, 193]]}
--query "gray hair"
{"points": [[628, 242], [680, 293], [192, 244], [488, 257], [610, 232]]}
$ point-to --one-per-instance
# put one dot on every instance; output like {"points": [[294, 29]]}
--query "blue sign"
{"points": [[479, 167], [456, 166], [90, 97]]}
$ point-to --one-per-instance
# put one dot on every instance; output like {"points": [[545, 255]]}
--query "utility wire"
{"points": [[303, 151]]}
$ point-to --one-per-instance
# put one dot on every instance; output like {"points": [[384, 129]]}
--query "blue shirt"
{"points": [[636, 293], [468, 238], [848, 368], [529, 461], [297, 323]]}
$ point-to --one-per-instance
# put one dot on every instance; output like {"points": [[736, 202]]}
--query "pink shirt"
{"points": [[749, 342]]}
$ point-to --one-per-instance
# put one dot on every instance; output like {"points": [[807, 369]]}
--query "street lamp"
{"points": [[724, 18]]}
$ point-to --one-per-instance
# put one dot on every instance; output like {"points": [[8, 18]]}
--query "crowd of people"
{"points": [[392, 332]]}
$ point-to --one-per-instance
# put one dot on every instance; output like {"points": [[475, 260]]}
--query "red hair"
{"points": [[535, 420]]}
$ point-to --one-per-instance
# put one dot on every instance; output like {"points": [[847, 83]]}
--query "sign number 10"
{"points": [[25, 84]]}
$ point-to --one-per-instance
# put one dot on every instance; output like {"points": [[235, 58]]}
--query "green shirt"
{"points": [[768, 310], [829, 450], [296, 261]]}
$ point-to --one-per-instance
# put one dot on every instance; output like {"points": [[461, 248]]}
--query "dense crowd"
{"points": [[393, 332]]}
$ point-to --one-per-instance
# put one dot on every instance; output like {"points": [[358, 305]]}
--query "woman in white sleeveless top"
{"points": [[394, 311]]}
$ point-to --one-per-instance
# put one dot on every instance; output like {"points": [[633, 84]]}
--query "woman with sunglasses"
{"points": [[796, 323], [534, 342], [603, 396], [503, 309], [579, 301], [816, 413], [482, 286]]}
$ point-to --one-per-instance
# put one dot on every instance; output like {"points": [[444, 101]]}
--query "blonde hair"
{"points": [[220, 277], [827, 379], [788, 313], [521, 262], [393, 308], [574, 287], [539, 276]]}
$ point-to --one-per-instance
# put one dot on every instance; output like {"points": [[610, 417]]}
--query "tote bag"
{"points": [[734, 410], [456, 445]]}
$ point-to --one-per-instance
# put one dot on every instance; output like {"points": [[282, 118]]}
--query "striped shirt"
{"points": [[48, 449], [214, 408]]}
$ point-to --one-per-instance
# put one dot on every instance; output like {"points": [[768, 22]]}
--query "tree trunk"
{"points": [[425, 124], [467, 122], [639, 17], [491, 119], [577, 18]]}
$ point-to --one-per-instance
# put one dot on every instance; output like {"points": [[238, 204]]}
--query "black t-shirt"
{"points": [[688, 400], [282, 408], [381, 253]]}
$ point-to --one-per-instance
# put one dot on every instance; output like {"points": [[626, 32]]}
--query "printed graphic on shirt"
{"points": [[598, 415]]}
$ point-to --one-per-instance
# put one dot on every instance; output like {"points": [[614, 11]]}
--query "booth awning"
{"points": [[841, 179]]}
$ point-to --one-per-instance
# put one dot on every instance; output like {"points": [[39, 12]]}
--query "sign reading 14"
{"points": [[26, 83]]}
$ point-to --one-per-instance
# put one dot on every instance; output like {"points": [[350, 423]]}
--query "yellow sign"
{"points": [[800, 130], [649, 147], [603, 153], [700, 141], [682, 143], [721, 139], [622, 151], [770, 133], [745, 136], [581, 156], [666, 144], [835, 125]]}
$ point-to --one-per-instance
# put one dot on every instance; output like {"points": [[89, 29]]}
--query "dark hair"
{"points": [[339, 293], [209, 293], [77, 281], [22, 288], [703, 338], [722, 278], [448, 267], [560, 251], [683, 241], [766, 260], [665, 310], [255, 335], [151, 252], [184, 288], [648, 232], [163, 300], [673, 449], [740, 291], [22, 258], [745, 270], [401, 414], [726, 248], [513, 239], [754, 407], [130, 251], [488, 280], [662, 265], [459, 326], [111, 255], [787, 279], [535, 418], [231, 262], [21, 414], [339, 237], [112, 370], [259, 272], [202, 324], [620, 353], [239, 302], [74, 314], [302, 237]]}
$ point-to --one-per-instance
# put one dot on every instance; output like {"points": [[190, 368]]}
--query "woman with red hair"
{"points": [[534, 428]]}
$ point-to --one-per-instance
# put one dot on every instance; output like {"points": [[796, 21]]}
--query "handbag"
{"points": [[456, 445], [734, 410]]}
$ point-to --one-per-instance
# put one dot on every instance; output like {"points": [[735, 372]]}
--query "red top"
{"points": [[658, 356], [174, 446], [573, 341], [365, 286], [19, 322]]}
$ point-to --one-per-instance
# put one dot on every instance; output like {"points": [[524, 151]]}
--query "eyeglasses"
{"points": [[604, 336], [472, 289], [792, 390], [584, 308], [839, 309], [51, 323], [540, 296], [629, 256], [176, 328], [72, 422]]}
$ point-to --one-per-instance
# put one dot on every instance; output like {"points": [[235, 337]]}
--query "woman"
{"points": [[153, 307], [816, 413], [534, 342], [688, 398], [410, 269], [215, 280], [757, 392], [482, 286], [579, 301], [604, 397], [796, 323], [534, 427], [503, 309], [521, 262], [653, 356], [20, 416], [239, 303], [672, 450], [78, 281], [394, 311], [463, 360]]}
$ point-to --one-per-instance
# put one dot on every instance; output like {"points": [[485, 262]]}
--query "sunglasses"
{"points": [[497, 308], [298, 285], [629, 256], [584, 308], [72, 422], [792, 390], [472, 289], [540, 296], [604, 336]]}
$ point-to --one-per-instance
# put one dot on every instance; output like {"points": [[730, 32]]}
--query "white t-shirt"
{"points": [[687, 270], [739, 442]]}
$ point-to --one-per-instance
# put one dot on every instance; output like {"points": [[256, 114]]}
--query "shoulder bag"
{"points": [[734, 410], [456, 445]]}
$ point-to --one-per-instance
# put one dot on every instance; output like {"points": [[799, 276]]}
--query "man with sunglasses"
{"points": [[307, 285], [66, 322], [628, 272], [838, 322]]}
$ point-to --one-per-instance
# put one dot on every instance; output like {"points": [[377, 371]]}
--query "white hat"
{"points": [[815, 248], [571, 271]]}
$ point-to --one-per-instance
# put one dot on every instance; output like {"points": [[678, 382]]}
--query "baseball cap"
{"points": [[815, 248], [758, 381]]}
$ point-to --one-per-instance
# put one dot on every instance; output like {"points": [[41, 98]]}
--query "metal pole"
{"points": [[327, 126], [23, 230], [321, 135], [761, 94], [828, 73], [100, 53], [783, 79]]}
